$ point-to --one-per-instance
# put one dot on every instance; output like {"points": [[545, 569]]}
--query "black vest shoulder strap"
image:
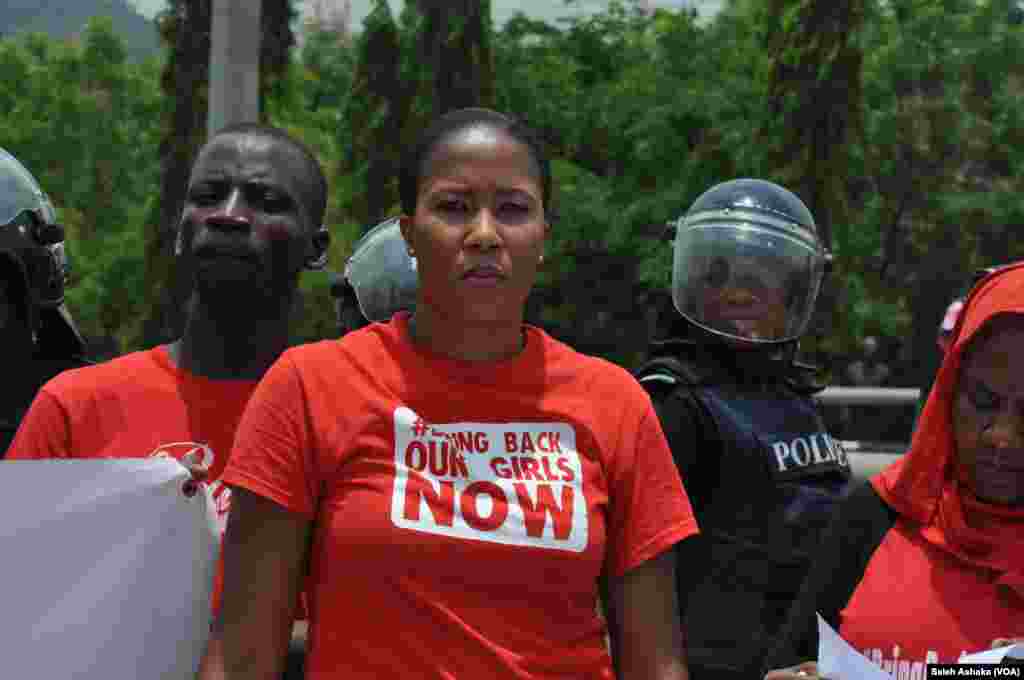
{"points": [[805, 379], [671, 371], [685, 365], [690, 367]]}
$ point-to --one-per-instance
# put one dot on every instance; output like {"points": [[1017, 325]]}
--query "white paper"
{"points": [[995, 655], [838, 660], [107, 570]]}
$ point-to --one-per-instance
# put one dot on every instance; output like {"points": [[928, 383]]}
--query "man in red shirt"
{"points": [[250, 224]]}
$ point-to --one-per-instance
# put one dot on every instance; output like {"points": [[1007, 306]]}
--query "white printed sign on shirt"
{"points": [[516, 483]]}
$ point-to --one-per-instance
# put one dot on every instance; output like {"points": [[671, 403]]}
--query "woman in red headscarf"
{"points": [[925, 562]]}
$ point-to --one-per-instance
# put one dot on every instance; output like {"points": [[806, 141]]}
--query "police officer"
{"points": [[379, 279], [36, 329], [760, 468]]}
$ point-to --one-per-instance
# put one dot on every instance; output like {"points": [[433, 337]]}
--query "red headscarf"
{"points": [[928, 486]]}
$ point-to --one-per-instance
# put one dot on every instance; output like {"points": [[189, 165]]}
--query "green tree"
{"points": [[328, 66], [455, 46], [814, 118], [82, 119], [942, 130], [814, 100], [185, 28], [376, 117], [640, 112], [276, 43], [437, 59], [310, 103]]}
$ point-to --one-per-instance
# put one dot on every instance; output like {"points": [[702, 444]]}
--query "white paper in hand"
{"points": [[107, 570], [837, 660], [994, 655]]}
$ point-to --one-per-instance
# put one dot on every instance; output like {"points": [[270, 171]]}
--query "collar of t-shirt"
{"points": [[161, 355], [526, 367]]}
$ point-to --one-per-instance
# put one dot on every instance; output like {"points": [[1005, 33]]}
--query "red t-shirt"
{"points": [[137, 406], [919, 604], [462, 512]]}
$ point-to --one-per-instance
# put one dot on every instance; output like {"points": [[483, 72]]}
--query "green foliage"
{"points": [[377, 109], [84, 120], [64, 21], [900, 122], [276, 43]]}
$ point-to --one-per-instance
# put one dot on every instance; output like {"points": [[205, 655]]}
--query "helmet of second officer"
{"points": [[382, 273], [748, 263]]}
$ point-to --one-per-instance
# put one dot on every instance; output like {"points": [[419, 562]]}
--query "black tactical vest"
{"points": [[780, 475]]}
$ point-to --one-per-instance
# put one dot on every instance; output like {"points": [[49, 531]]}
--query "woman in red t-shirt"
{"points": [[455, 488], [926, 561]]}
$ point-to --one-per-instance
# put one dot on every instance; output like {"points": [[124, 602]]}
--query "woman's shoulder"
{"points": [[311, 353], [600, 374], [358, 345]]}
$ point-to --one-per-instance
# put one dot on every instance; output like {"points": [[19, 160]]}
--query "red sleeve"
{"points": [[650, 511], [43, 432], [273, 453]]}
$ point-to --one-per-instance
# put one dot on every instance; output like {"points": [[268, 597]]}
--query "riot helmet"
{"points": [[748, 263], [382, 273], [33, 259]]}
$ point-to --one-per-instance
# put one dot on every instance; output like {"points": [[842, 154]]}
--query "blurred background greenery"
{"points": [[899, 122]]}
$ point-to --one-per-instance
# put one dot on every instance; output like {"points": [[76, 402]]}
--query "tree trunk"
{"points": [[376, 117], [456, 43], [185, 29], [275, 47], [814, 101], [938, 281]]}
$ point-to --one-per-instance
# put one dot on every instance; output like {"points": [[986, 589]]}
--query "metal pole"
{"points": [[865, 465], [870, 396], [234, 63]]}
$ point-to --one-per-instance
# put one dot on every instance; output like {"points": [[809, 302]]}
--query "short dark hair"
{"points": [[451, 124], [313, 166]]}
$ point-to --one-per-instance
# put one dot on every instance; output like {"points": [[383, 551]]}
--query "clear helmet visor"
{"points": [[382, 273], [19, 192], [746, 277]]}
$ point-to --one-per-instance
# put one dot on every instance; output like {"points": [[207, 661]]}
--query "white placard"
{"points": [[837, 659], [994, 655], [107, 570]]}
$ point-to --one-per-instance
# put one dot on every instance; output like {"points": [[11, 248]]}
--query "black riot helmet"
{"points": [[748, 264], [382, 273], [33, 260]]}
